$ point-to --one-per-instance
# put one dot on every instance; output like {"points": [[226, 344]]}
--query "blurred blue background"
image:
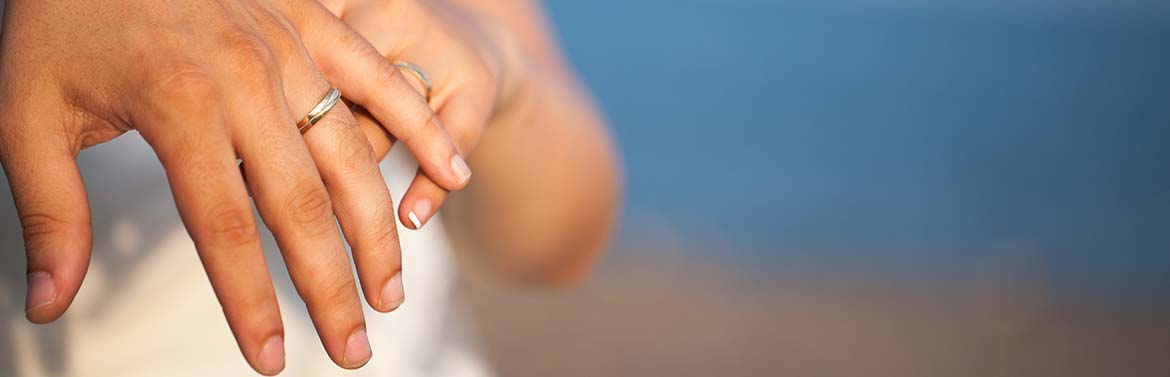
{"points": [[905, 136], [869, 188]]}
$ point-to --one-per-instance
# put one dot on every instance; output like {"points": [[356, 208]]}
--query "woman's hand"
{"points": [[473, 64], [546, 201], [207, 83]]}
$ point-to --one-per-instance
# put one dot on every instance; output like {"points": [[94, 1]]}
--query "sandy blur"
{"points": [[660, 312]]}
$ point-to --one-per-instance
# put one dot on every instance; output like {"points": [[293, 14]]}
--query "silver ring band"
{"points": [[419, 73], [319, 111]]}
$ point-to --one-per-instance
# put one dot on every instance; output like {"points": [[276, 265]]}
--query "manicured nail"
{"points": [[271, 359], [42, 291], [420, 214], [357, 349], [414, 220], [460, 168], [392, 293]]}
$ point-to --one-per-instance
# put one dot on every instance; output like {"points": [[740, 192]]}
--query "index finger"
{"points": [[367, 78]]}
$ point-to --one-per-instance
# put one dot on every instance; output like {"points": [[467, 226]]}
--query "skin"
{"points": [[546, 195], [207, 83], [541, 209]]}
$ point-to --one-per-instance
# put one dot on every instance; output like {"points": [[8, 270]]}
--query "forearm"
{"points": [[544, 199], [545, 196]]}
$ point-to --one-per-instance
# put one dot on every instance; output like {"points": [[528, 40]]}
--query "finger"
{"points": [[380, 139], [367, 78], [421, 201], [466, 113], [184, 125], [361, 199], [295, 205], [54, 212]]}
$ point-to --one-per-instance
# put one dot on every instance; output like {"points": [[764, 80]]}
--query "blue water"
{"points": [[915, 136]]}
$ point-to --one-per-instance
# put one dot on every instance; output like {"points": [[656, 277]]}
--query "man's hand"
{"points": [[207, 83]]}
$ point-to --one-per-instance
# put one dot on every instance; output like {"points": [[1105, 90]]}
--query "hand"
{"points": [[547, 200], [474, 66], [206, 83]]}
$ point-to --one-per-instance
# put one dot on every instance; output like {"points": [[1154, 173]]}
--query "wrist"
{"points": [[514, 68]]}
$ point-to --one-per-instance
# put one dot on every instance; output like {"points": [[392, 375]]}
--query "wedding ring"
{"points": [[419, 73], [319, 111]]}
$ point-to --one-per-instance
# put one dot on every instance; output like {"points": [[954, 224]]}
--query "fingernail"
{"points": [[392, 293], [420, 214], [271, 358], [460, 168], [42, 291], [357, 349]]}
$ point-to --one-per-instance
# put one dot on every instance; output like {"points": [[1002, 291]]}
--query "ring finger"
{"points": [[361, 199], [295, 205]]}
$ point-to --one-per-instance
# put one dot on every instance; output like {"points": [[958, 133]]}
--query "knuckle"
{"points": [[189, 152], [39, 228], [185, 84], [252, 58], [310, 209], [480, 81], [339, 286], [423, 122], [248, 304], [328, 289], [230, 225], [246, 46], [384, 233], [354, 46], [356, 154], [280, 35], [352, 41]]}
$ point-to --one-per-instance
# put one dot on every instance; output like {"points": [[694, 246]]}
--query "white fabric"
{"points": [[147, 309]]}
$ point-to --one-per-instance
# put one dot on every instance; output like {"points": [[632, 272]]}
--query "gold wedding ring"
{"points": [[419, 73], [319, 111]]}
